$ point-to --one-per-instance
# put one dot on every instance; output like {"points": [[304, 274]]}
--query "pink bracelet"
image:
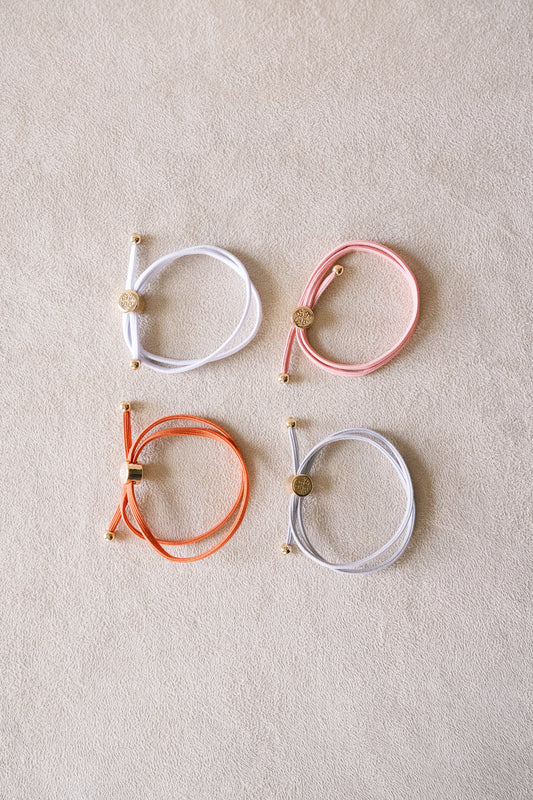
{"points": [[303, 316]]}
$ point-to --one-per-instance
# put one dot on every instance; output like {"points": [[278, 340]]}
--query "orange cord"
{"points": [[127, 497]]}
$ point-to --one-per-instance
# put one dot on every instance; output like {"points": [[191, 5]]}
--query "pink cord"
{"points": [[318, 283]]}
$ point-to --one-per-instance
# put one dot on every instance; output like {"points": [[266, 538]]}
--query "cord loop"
{"points": [[325, 273], [133, 475], [130, 304], [394, 547]]}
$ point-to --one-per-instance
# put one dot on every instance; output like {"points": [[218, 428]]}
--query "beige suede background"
{"points": [[276, 130]]}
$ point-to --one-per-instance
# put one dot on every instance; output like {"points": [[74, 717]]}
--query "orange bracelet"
{"points": [[131, 474]]}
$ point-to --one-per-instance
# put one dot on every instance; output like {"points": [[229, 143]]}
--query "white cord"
{"points": [[130, 323], [395, 546]]}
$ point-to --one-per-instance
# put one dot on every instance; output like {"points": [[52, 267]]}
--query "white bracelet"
{"points": [[130, 302], [302, 486]]}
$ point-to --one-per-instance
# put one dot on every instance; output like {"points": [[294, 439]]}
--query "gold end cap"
{"points": [[283, 377], [109, 535], [286, 549], [135, 238], [290, 422], [338, 269], [125, 406], [135, 364]]}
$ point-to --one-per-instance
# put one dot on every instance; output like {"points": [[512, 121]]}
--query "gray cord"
{"points": [[395, 546]]}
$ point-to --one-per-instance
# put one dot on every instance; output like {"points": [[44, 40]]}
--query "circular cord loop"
{"points": [[130, 322], [394, 547], [128, 499], [325, 273]]}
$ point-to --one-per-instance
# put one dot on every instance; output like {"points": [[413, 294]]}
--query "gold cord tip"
{"points": [[125, 406], [135, 238], [286, 549], [135, 364], [338, 269], [283, 377], [290, 423], [109, 536]]}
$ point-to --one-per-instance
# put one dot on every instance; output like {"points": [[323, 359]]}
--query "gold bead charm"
{"points": [[125, 406], [283, 377], [338, 269], [302, 317], [129, 301], [290, 423], [286, 549], [135, 238], [109, 536], [131, 473], [135, 364], [302, 485]]}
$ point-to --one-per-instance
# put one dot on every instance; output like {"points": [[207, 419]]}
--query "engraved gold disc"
{"points": [[129, 301], [303, 317], [302, 485]]}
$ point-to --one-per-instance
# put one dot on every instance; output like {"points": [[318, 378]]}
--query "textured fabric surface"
{"points": [[275, 130]]}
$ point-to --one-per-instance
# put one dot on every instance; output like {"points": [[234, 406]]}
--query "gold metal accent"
{"points": [[290, 423], [135, 238], [131, 473], [338, 269], [283, 377], [135, 364], [129, 301], [286, 549], [125, 406], [109, 536], [302, 485], [302, 317]]}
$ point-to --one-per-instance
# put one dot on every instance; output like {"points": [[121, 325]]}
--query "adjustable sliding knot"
{"points": [[303, 316], [131, 304], [132, 474]]}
